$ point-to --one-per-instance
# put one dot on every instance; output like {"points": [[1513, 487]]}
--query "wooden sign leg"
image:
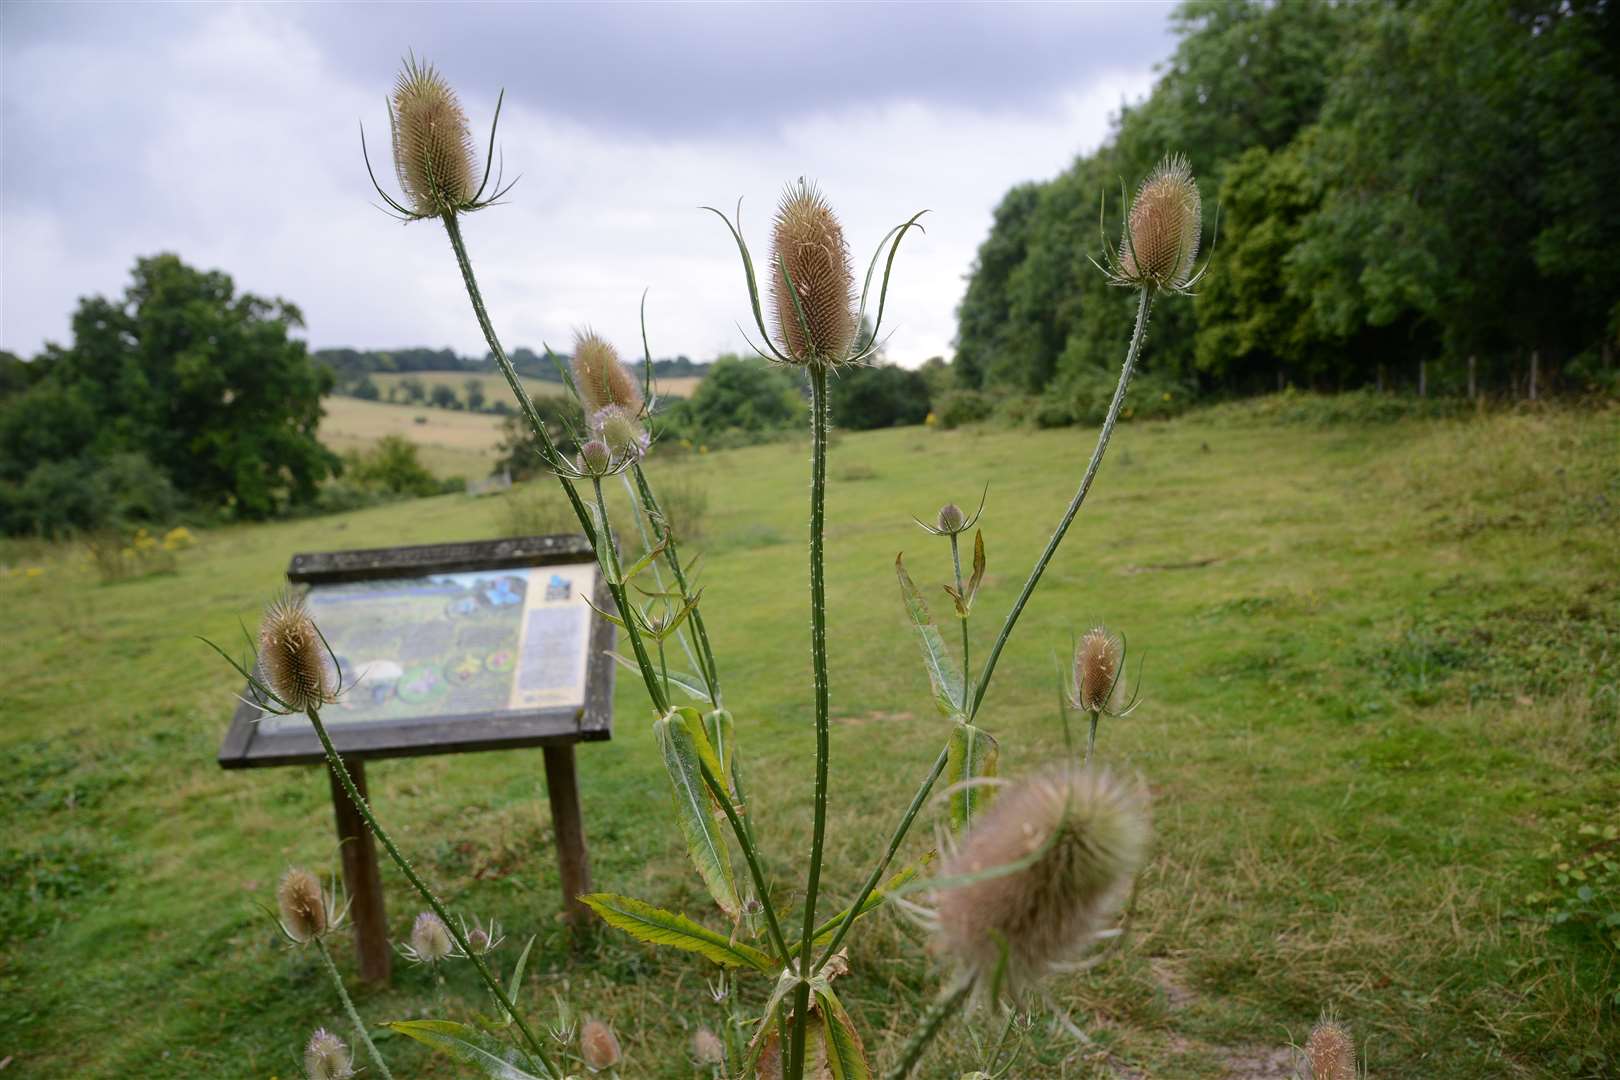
{"points": [[562, 787], [361, 878]]}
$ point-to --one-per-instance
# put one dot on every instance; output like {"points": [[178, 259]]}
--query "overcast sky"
{"points": [[230, 134]]}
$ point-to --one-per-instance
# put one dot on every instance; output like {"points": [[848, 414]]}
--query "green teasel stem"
{"points": [[1091, 736], [341, 770], [452, 226], [751, 857], [610, 557], [942, 1010], [956, 564], [711, 671], [882, 867], [1001, 1044], [1143, 304], [354, 1017], [818, 663]]}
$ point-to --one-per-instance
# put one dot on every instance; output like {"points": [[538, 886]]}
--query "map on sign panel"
{"points": [[449, 645]]}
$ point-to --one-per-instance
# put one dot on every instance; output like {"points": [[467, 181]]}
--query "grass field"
{"points": [[1381, 682], [449, 443]]}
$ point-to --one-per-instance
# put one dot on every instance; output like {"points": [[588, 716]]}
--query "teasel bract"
{"points": [[600, 376], [326, 1057], [434, 155], [294, 658], [302, 905], [598, 1046], [430, 940], [1040, 877], [1330, 1052]]}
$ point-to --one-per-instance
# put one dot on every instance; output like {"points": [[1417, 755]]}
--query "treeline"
{"points": [[1413, 194], [351, 367]]}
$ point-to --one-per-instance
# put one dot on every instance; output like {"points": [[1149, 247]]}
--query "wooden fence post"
{"points": [[361, 877], [562, 788]]}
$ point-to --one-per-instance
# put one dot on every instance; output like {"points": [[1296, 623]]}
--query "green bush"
{"points": [[1083, 397], [960, 407], [393, 467], [879, 396]]}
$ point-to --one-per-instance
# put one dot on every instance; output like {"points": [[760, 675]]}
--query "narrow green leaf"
{"points": [[514, 986], [971, 755], [943, 675], [978, 567], [846, 1057], [659, 927], [684, 681], [451, 1039], [683, 754], [721, 732], [646, 560]]}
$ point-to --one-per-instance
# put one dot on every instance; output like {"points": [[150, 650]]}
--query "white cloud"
{"points": [[235, 145]]}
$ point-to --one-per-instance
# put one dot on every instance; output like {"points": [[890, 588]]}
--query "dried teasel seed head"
{"points": [[327, 1058], [601, 377], [293, 657], [950, 518], [1331, 1052], [1163, 230], [302, 906], [1099, 683], [430, 938], [433, 150], [624, 434], [598, 1045], [707, 1049], [807, 239], [1085, 833]]}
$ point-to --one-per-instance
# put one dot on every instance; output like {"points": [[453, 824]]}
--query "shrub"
{"points": [[880, 396], [960, 407], [392, 466]]}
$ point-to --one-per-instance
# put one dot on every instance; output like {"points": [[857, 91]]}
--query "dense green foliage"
{"points": [[879, 396], [741, 400], [1399, 185], [518, 452], [183, 387]]}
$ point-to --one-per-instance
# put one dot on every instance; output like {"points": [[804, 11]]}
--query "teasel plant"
{"points": [[1032, 872]]}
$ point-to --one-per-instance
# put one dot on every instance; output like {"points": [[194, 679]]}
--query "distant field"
{"points": [[495, 389], [1379, 686], [452, 443]]}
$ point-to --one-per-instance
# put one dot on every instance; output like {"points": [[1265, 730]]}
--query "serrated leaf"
{"points": [[943, 675], [846, 1057], [683, 757], [450, 1038], [971, 754], [978, 567], [656, 926]]}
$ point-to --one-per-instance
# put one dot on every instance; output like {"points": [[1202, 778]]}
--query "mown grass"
{"points": [[449, 443], [1381, 679]]}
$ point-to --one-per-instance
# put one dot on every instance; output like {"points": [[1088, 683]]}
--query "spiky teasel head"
{"points": [[1159, 242], [623, 433], [1099, 673], [598, 1046], [601, 377], [1039, 876], [327, 1058], [305, 913], [815, 318], [1330, 1051], [430, 940], [433, 150], [294, 659]]}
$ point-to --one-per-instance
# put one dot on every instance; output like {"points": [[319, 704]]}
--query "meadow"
{"points": [[1380, 698], [494, 388], [449, 443]]}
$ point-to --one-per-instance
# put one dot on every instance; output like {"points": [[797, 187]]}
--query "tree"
{"points": [[474, 389], [443, 397], [879, 396], [206, 384], [738, 394]]}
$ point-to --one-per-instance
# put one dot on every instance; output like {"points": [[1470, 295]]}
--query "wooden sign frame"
{"points": [[247, 745]]}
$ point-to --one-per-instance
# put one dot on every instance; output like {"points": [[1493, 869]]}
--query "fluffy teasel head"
{"points": [[1159, 243], [1330, 1052], [815, 317], [601, 377], [598, 1046], [327, 1058], [295, 661], [1040, 877], [305, 913], [707, 1049], [1099, 673], [430, 940], [433, 150]]}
